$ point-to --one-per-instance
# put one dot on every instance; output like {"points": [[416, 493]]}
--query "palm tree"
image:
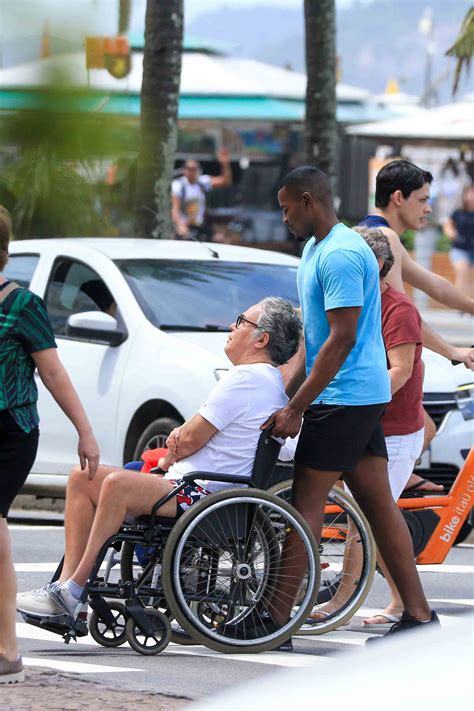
{"points": [[320, 129], [124, 16], [159, 115], [463, 48]]}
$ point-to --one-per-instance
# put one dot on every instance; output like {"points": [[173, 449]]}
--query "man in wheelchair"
{"points": [[222, 437]]}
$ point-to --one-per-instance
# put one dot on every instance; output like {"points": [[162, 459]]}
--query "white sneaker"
{"points": [[51, 599]]}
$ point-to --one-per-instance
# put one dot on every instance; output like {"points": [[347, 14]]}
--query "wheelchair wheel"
{"points": [[104, 634], [149, 644], [222, 560], [345, 530]]}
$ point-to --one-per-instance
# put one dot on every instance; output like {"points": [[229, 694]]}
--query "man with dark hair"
{"points": [[342, 391], [402, 195]]}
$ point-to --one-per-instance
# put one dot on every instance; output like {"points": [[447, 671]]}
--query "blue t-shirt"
{"points": [[342, 271]]}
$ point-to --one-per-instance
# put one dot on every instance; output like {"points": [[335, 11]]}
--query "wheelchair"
{"points": [[213, 571]]}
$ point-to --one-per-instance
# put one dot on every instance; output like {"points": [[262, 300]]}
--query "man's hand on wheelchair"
{"points": [[285, 423]]}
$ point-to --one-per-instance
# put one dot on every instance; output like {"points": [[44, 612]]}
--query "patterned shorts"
{"points": [[191, 494]]}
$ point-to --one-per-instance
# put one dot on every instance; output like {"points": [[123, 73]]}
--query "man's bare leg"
{"points": [[82, 495], [122, 492], [309, 494], [370, 487], [395, 606]]}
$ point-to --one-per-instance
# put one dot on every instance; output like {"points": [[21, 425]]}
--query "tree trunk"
{"points": [[124, 16], [320, 129], [159, 117]]}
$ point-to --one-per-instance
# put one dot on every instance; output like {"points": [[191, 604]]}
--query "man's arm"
{"points": [[333, 353], [225, 178], [294, 372], [178, 222], [57, 381], [188, 439], [401, 359], [437, 344], [436, 286]]}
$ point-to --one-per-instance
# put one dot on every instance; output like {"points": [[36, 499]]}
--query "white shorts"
{"points": [[403, 451]]}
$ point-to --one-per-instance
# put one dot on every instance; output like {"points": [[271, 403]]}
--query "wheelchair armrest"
{"points": [[212, 476]]}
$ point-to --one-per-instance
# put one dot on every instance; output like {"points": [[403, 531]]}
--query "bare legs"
{"points": [[309, 494], [95, 510], [8, 641], [370, 486]]}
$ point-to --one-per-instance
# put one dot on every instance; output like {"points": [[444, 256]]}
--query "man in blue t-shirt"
{"points": [[342, 391]]}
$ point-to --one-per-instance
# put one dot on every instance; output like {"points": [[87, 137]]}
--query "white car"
{"points": [[141, 326]]}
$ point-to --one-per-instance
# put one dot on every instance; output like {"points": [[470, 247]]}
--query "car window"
{"points": [[74, 288], [20, 268], [199, 295]]}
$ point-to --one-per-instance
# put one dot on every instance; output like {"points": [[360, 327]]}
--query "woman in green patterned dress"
{"points": [[26, 343]]}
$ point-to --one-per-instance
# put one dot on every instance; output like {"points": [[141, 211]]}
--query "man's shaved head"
{"points": [[308, 179]]}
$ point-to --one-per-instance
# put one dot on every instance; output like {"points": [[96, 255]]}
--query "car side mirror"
{"points": [[95, 326]]}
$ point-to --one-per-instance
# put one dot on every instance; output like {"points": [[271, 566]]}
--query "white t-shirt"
{"points": [[237, 405], [193, 198]]}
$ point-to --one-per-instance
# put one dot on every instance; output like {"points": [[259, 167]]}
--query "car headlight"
{"points": [[219, 372], [465, 400]]}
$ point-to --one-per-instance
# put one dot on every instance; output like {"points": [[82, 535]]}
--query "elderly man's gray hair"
{"points": [[380, 246], [279, 319]]}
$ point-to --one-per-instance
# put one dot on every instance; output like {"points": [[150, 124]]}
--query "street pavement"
{"points": [[180, 674]]}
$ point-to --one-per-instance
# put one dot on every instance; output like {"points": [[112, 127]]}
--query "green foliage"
{"points": [[408, 240], [48, 198], [443, 244]]}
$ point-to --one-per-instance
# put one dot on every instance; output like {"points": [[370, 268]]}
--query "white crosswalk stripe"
{"points": [[346, 636]]}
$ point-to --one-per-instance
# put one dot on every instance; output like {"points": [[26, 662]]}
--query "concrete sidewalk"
{"points": [[45, 690]]}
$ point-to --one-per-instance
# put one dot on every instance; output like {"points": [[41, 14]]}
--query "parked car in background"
{"points": [[141, 327]]}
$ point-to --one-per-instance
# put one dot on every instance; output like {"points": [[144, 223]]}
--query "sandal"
{"points": [[386, 620]]}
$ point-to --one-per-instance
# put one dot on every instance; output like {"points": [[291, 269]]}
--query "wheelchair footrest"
{"points": [[63, 625]]}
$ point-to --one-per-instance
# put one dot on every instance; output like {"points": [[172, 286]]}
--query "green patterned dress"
{"points": [[24, 329]]}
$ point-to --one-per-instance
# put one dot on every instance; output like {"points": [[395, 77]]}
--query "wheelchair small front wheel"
{"points": [[109, 635], [149, 644]]}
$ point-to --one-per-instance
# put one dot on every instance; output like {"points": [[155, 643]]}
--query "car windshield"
{"points": [[203, 296]]}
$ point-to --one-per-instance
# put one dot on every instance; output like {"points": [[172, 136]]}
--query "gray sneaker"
{"points": [[49, 600], [11, 672]]}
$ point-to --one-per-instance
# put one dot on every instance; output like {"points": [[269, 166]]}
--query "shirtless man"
{"points": [[402, 202]]}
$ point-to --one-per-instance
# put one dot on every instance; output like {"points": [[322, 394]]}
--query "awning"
{"points": [[190, 107]]}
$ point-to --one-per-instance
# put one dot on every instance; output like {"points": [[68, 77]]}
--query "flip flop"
{"points": [[313, 619], [418, 491], [388, 620]]}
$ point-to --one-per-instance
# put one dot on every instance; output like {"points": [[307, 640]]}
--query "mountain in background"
{"points": [[376, 41]]}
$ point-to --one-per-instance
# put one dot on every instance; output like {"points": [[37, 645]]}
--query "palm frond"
{"points": [[463, 48]]}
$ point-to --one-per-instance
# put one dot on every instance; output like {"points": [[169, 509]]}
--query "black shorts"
{"points": [[17, 454], [334, 437]]}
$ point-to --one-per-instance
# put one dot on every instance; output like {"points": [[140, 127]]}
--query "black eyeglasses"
{"points": [[241, 319]]}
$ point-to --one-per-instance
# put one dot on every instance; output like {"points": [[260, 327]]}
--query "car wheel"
{"points": [[154, 435]]}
